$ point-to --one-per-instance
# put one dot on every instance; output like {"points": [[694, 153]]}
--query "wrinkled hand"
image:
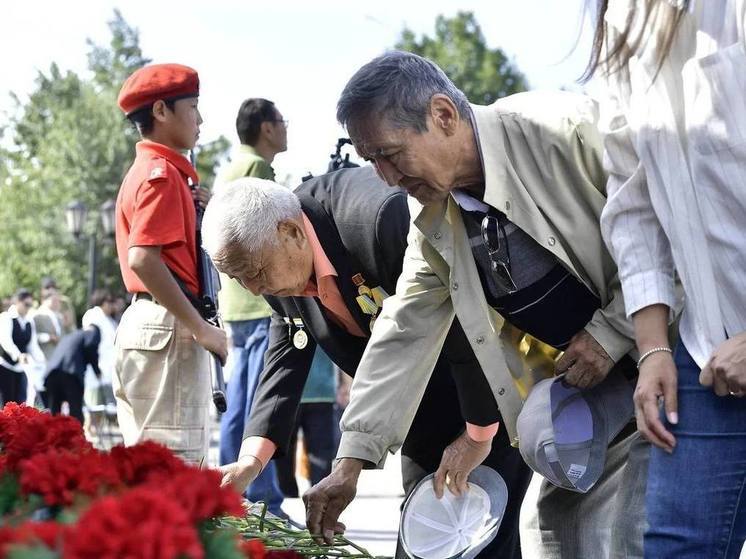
{"points": [[201, 195], [726, 369], [326, 500], [459, 459], [658, 380], [585, 361], [213, 339], [241, 473]]}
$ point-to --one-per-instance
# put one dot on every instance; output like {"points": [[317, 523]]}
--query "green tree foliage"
{"points": [[111, 65], [459, 48], [208, 157], [69, 141]]}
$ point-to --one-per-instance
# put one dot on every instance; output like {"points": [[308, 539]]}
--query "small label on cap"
{"points": [[576, 471]]}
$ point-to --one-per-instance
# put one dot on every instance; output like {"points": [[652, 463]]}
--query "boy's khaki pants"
{"points": [[161, 382]]}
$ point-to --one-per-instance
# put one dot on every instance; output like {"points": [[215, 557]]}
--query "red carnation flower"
{"points": [[25, 432], [140, 524], [13, 413], [59, 475], [252, 549], [31, 534], [145, 461], [198, 492]]}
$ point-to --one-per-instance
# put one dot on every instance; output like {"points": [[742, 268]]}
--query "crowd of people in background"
{"points": [[43, 344]]}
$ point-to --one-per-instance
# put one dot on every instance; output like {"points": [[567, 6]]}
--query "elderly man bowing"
{"points": [[325, 256], [505, 203]]}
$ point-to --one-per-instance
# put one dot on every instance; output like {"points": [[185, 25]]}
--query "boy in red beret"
{"points": [[162, 383]]}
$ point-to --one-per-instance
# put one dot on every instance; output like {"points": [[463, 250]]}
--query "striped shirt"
{"points": [[676, 154]]}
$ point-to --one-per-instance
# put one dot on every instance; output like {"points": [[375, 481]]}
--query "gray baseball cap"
{"points": [[450, 527], [564, 431]]}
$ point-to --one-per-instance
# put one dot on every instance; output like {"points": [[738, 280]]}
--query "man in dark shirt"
{"points": [[66, 370]]}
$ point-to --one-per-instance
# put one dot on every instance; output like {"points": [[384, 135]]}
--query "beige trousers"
{"points": [[161, 382]]}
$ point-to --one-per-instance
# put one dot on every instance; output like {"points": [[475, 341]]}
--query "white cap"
{"points": [[454, 526]]}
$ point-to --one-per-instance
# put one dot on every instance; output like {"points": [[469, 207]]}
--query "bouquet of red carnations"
{"points": [[60, 498]]}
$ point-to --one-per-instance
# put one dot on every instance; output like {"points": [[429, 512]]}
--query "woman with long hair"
{"points": [[676, 156]]}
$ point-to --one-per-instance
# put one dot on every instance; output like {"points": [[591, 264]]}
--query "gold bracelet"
{"points": [[650, 352]]}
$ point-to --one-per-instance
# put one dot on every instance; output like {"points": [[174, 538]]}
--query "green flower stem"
{"points": [[261, 519], [278, 535]]}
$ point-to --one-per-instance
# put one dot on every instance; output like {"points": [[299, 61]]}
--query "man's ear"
{"points": [[444, 114], [266, 129], [293, 231]]}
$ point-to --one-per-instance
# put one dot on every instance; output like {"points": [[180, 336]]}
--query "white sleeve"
{"points": [[6, 336], [629, 224], [397, 363], [88, 318]]}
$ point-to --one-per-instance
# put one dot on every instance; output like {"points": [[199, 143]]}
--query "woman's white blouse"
{"points": [[676, 153]]}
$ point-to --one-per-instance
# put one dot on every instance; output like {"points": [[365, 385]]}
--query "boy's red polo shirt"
{"points": [[155, 208]]}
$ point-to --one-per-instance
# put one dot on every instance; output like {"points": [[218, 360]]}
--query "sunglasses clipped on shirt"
{"points": [[492, 231]]}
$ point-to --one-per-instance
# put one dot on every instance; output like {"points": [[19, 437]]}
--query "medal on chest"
{"points": [[300, 339], [300, 336], [370, 300]]}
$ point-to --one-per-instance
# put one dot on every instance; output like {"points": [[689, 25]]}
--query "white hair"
{"points": [[246, 212]]}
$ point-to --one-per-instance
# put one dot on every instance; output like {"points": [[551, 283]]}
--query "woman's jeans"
{"points": [[696, 497], [250, 339]]}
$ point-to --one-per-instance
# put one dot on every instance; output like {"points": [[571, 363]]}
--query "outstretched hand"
{"points": [[241, 473], [326, 500], [459, 459]]}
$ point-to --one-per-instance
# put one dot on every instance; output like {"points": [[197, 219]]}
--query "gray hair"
{"points": [[397, 86], [242, 218]]}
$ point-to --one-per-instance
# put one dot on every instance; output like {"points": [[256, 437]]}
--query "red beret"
{"points": [[157, 81]]}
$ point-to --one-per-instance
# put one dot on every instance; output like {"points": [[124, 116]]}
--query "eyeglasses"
{"points": [[492, 230]]}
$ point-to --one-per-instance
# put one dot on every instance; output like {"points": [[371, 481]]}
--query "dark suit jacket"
{"points": [[75, 352], [362, 224]]}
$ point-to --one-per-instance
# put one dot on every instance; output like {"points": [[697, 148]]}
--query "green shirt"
{"points": [[236, 303]]}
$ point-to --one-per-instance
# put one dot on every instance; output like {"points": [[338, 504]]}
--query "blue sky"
{"points": [[298, 54]]}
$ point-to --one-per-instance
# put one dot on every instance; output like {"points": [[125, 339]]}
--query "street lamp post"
{"points": [[76, 212]]}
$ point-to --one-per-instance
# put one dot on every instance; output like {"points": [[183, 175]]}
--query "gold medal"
{"points": [[300, 339], [369, 300], [379, 296]]}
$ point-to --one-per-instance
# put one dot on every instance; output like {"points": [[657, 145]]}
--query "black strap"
{"points": [[6, 357], [202, 309]]}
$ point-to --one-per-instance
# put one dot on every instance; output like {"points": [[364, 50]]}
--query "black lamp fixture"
{"points": [[75, 214], [108, 217]]}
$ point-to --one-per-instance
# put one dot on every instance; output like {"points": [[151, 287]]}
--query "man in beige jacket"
{"points": [[505, 203]]}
